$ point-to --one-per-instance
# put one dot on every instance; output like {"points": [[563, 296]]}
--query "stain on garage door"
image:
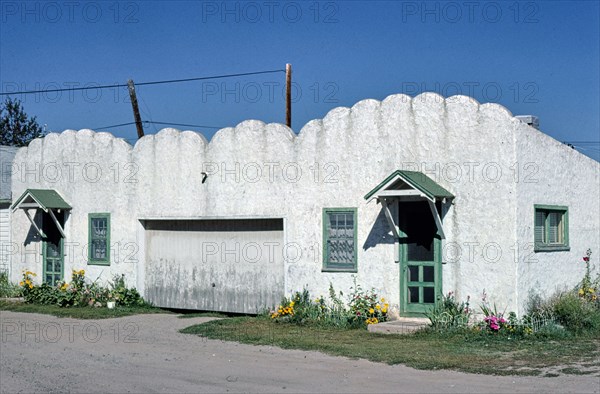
{"points": [[227, 265]]}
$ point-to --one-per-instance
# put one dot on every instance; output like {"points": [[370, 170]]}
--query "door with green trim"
{"points": [[53, 249], [420, 260]]}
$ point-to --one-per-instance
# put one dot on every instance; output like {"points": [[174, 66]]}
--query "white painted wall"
{"points": [[556, 175], [468, 148], [7, 154], [5, 250]]}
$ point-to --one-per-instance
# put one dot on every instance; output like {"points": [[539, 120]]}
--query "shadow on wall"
{"points": [[32, 235], [380, 233]]}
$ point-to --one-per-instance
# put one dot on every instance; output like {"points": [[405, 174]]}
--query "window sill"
{"points": [[105, 264], [340, 270], [549, 248]]}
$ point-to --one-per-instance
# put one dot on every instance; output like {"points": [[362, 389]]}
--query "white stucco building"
{"points": [[413, 196], [7, 153]]}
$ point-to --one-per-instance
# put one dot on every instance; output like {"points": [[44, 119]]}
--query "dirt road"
{"points": [[145, 353]]}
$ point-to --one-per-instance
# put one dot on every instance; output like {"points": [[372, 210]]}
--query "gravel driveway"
{"points": [[145, 353]]}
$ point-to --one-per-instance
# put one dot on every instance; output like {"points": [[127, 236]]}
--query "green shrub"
{"points": [[365, 306], [80, 293], [8, 289], [552, 331], [449, 313], [363, 309], [576, 313], [123, 295], [43, 294]]}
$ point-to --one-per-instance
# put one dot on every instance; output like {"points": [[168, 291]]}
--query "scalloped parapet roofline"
{"points": [[427, 97]]}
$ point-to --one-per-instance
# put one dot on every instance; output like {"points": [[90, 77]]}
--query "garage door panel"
{"points": [[220, 265]]}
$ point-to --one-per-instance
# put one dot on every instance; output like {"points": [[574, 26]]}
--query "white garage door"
{"points": [[216, 265]]}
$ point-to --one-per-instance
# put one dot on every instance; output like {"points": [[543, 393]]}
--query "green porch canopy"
{"points": [[401, 186], [44, 199], [405, 183]]}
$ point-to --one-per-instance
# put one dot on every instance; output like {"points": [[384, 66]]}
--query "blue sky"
{"points": [[538, 58]]}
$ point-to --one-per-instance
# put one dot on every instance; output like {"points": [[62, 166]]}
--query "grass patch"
{"points": [[459, 350], [78, 312]]}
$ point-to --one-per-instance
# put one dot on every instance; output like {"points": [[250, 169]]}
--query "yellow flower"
{"points": [[31, 286], [292, 304], [384, 310], [378, 307], [28, 282], [21, 283], [386, 305], [591, 290], [382, 299], [371, 311], [581, 291]]}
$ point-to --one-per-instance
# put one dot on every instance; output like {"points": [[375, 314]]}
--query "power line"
{"points": [[113, 126], [155, 122], [187, 125], [142, 83]]}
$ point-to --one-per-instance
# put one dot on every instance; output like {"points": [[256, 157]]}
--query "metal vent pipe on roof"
{"points": [[531, 120]]}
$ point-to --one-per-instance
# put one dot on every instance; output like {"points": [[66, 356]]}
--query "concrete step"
{"points": [[403, 325]]}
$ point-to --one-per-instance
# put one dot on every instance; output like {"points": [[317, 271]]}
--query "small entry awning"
{"points": [[409, 186], [45, 199], [409, 183]]}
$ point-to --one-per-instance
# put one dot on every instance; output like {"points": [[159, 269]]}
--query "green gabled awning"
{"points": [[44, 199], [401, 180]]}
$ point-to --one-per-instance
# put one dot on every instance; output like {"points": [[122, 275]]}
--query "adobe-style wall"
{"points": [[555, 175], [265, 170]]}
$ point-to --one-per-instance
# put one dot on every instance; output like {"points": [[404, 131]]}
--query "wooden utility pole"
{"points": [[136, 110], [288, 95]]}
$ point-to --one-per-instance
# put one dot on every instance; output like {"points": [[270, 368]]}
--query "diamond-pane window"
{"points": [[339, 239], [99, 235]]}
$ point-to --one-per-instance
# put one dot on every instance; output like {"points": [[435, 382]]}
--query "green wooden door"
{"points": [[420, 260], [53, 249], [53, 262]]}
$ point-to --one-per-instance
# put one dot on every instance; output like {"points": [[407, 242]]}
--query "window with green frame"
{"points": [[99, 238], [339, 239], [551, 228]]}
